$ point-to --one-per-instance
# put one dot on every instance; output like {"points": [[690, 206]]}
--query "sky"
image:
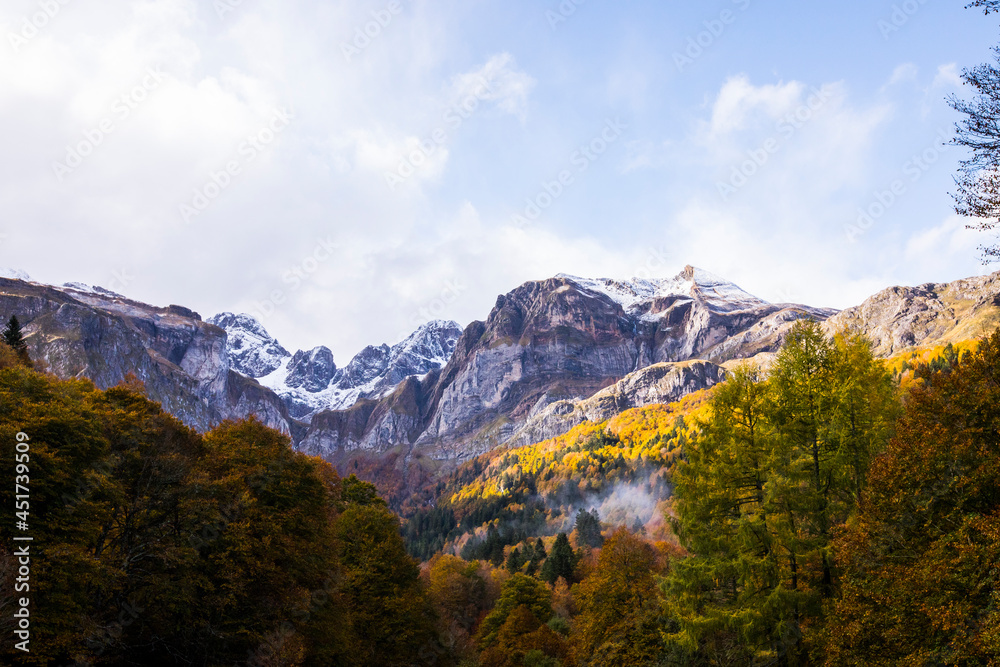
{"points": [[347, 171]]}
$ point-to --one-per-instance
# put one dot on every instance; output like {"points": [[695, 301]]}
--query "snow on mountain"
{"points": [[90, 289], [13, 274], [639, 296], [252, 351], [310, 382]]}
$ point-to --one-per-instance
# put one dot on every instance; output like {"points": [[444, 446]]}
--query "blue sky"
{"points": [[267, 157]]}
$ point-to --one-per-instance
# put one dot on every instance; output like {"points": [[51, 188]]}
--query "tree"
{"points": [[779, 465], [158, 545], [619, 617], [921, 561], [391, 617], [537, 556], [515, 560], [560, 562], [588, 529], [460, 595], [14, 337], [518, 591], [731, 519], [978, 179], [524, 641]]}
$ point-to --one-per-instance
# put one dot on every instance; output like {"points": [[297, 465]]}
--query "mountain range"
{"points": [[551, 354]]}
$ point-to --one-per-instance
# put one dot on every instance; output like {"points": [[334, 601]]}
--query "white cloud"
{"points": [[904, 72], [497, 81], [738, 100], [947, 76], [934, 250]]}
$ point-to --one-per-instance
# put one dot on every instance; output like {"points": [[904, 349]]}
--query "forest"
{"points": [[837, 509]]}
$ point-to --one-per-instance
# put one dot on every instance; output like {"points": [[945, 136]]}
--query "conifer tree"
{"points": [[537, 556], [588, 529], [14, 337], [560, 562], [779, 465]]}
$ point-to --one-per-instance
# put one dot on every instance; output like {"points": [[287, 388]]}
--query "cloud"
{"points": [[947, 76], [497, 81], [934, 249], [739, 100], [904, 72]]}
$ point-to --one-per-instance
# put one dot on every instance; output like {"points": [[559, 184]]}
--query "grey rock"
{"points": [[313, 370], [181, 360]]}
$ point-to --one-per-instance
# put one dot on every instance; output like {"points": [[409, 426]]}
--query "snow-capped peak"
{"points": [[252, 350], [635, 295], [14, 274], [309, 381]]}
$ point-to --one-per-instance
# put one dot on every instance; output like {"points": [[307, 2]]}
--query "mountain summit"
{"points": [[648, 298], [309, 381], [550, 354]]}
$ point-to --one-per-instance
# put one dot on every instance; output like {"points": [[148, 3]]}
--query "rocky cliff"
{"points": [[551, 354], [76, 331], [553, 343], [932, 314], [309, 381]]}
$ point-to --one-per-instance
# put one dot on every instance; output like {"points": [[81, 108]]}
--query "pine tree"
{"points": [[514, 560], [560, 562], [779, 466], [14, 337], [537, 556], [588, 529]]}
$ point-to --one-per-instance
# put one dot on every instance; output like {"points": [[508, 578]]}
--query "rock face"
{"points": [[181, 360], [560, 341], [659, 383], [935, 313], [551, 354], [313, 371], [252, 351], [310, 382]]}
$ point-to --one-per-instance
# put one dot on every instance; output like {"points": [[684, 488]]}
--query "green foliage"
{"points": [[518, 591], [538, 555], [920, 559], [561, 562], [13, 336], [391, 619], [779, 463], [588, 529], [361, 494], [156, 545]]}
